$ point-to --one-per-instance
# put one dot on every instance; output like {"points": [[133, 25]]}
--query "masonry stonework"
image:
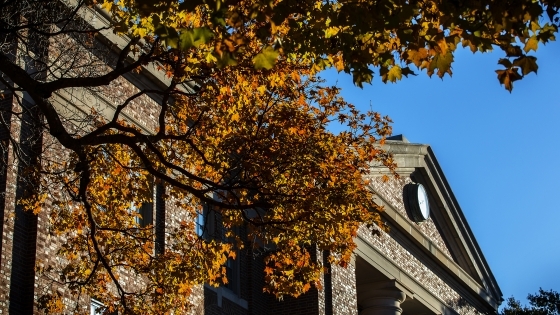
{"points": [[392, 192]]}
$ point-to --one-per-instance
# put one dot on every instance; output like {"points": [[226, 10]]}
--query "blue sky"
{"points": [[499, 151]]}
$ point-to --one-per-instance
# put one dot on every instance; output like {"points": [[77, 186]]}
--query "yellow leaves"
{"points": [[34, 203], [531, 44], [248, 138], [331, 31], [338, 62], [318, 5], [52, 303], [261, 89], [393, 74], [107, 5], [442, 44]]}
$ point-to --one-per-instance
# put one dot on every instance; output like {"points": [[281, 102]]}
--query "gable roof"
{"points": [[467, 268]]}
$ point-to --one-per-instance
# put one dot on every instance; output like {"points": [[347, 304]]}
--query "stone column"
{"points": [[382, 298]]}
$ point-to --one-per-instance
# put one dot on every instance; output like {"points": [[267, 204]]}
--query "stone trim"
{"points": [[431, 251], [420, 161], [391, 270]]}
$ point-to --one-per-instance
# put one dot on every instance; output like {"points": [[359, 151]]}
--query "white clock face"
{"points": [[423, 202]]}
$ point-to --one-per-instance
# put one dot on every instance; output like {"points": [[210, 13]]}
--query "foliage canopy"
{"points": [[352, 36], [545, 302]]}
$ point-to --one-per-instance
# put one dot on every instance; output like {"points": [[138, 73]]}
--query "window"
{"points": [[200, 221], [208, 225], [146, 212], [97, 308], [232, 275]]}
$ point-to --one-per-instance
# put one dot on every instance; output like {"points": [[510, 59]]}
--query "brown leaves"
{"points": [[510, 74], [507, 77]]}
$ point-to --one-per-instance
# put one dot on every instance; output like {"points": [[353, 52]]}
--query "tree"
{"points": [[351, 36], [543, 303], [250, 145], [240, 129]]}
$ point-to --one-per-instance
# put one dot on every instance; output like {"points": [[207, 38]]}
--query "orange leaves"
{"points": [[291, 271], [252, 148]]}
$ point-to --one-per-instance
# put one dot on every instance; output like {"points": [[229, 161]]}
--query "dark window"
{"points": [[200, 222], [146, 212]]}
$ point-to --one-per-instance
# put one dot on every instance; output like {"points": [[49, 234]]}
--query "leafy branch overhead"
{"points": [[351, 36], [201, 124]]}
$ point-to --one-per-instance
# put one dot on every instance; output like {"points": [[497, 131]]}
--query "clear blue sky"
{"points": [[499, 151]]}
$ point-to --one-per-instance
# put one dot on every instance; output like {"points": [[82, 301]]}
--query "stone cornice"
{"points": [[393, 271], [413, 240], [418, 161]]}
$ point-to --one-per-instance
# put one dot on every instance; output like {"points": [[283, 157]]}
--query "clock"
{"points": [[418, 204]]}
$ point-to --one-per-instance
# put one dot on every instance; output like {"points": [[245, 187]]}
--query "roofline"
{"points": [[464, 225], [411, 157]]}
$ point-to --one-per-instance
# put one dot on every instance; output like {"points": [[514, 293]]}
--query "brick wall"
{"points": [[415, 268], [8, 210], [392, 192], [344, 294], [5, 123]]}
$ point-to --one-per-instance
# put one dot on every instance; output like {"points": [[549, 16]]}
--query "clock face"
{"points": [[423, 204], [417, 203]]}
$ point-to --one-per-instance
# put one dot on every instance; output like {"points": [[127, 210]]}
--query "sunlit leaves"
{"points": [[266, 59], [194, 37], [244, 127], [392, 75], [363, 34], [531, 44], [256, 142]]}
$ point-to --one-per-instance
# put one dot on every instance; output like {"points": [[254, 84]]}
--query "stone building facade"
{"points": [[417, 268]]}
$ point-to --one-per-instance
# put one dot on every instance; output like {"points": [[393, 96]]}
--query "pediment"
{"points": [[445, 238]]}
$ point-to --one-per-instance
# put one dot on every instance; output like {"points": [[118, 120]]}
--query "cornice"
{"points": [[418, 244], [419, 161]]}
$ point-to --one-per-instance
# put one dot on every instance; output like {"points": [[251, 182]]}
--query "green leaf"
{"points": [[195, 37], [532, 43], [527, 64], [265, 59], [169, 35], [226, 60]]}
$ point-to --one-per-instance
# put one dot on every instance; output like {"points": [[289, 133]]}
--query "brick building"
{"points": [[429, 262], [423, 266]]}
